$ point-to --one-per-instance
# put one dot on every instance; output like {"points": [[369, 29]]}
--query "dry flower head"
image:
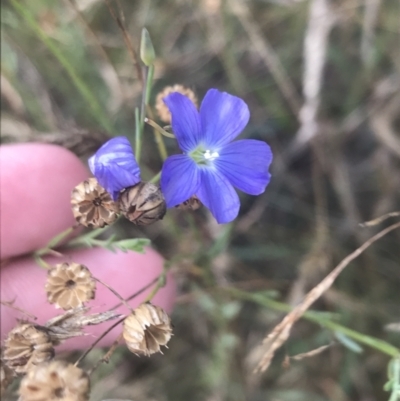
{"points": [[69, 285], [71, 323], [92, 205], [162, 109], [142, 204], [27, 345], [147, 329], [55, 381]]}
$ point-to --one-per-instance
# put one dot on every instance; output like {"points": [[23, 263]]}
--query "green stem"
{"points": [[372, 342], [158, 128], [162, 280], [149, 84], [138, 136], [97, 110], [40, 262], [54, 242], [156, 178]]}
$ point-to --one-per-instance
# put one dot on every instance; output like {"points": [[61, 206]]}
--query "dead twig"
{"points": [[281, 332], [120, 22], [379, 219], [268, 55]]}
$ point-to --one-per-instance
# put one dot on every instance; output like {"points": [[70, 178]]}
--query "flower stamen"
{"points": [[210, 156]]}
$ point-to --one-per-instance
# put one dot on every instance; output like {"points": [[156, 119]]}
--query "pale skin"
{"points": [[36, 183]]}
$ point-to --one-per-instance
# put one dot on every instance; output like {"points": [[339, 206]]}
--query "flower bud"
{"points": [[92, 205], [147, 53], [69, 285], [57, 380], [147, 329], [142, 204], [27, 345]]}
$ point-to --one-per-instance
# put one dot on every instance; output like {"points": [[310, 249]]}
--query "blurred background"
{"points": [[321, 78]]}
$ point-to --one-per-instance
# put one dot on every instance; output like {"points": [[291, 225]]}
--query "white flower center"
{"points": [[210, 156]]}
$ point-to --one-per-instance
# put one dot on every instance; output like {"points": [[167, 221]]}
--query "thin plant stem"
{"points": [[115, 293], [158, 128], [80, 359], [41, 262], [10, 304], [107, 356], [149, 84], [55, 241], [143, 103], [97, 110], [156, 178], [162, 150], [127, 40], [160, 283], [138, 136], [137, 293]]}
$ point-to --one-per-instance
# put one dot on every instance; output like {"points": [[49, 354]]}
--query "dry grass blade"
{"points": [[311, 353], [379, 219], [127, 39], [281, 332], [320, 23], [267, 53], [10, 304]]}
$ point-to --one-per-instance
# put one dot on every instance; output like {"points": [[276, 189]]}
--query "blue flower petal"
{"points": [[179, 179], [185, 121], [218, 195], [245, 164], [115, 166], [223, 117]]}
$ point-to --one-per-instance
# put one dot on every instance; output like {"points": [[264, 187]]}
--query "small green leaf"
{"points": [[134, 244], [348, 342]]}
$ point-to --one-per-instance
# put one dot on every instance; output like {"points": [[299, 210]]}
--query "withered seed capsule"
{"points": [[92, 205], [142, 204], [162, 110], [55, 381], [6, 378], [147, 329], [27, 345], [69, 285]]}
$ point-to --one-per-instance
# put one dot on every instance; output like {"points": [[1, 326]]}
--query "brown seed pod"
{"points": [[69, 285], [162, 109], [193, 203], [142, 204], [147, 329], [55, 381], [92, 205], [6, 378], [27, 345]]}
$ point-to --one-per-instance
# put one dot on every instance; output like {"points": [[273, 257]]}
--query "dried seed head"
{"points": [[147, 329], [69, 285], [71, 323], [142, 204], [92, 205], [6, 377], [55, 381], [162, 109], [27, 345], [193, 203]]}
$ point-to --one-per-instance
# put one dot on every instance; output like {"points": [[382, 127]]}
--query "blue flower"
{"points": [[211, 165], [114, 166]]}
